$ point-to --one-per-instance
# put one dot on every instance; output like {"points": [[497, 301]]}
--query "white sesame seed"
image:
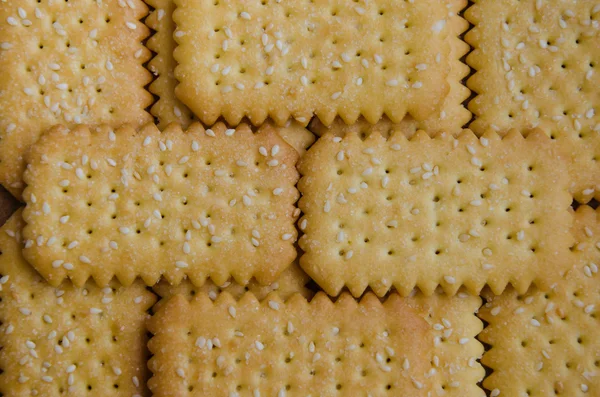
{"points": [[535, 322], [274, 305], [181, 264], [94, 310], [232, 311], [450, 279], [336, 95]]}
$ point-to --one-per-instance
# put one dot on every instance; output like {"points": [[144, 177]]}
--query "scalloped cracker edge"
{"points": [[295, 347], [433, 211], [548, 342], [536, 67], [270, 60], [199, 203], [71, 63], [68, 340]]}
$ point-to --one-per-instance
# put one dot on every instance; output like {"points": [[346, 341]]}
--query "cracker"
{"points": [[452, 117], [68, 340], [295, 135], [296, 348], [296, 59], [536, 67], [431, 211], [292, 280], [547, 343], [200, 203], [167, 109], [71, 63]]}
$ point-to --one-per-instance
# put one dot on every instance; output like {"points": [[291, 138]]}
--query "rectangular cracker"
{"points": [[167, 109], [297, 348], [547, 343], [201, 203], [291, 281], [68, 340], [433, 211], [296, 59], [451, 118], [70, 63], [536, 66]]}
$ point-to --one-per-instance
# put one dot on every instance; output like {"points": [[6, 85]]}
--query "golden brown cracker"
{"points": [[547, 343], [536, 67], [433, 211], [296, 348], [452, 117], [296, 59], [291, 281], [71, 63], [167, 109], [68, 340], [295, 135], [202, 203]]}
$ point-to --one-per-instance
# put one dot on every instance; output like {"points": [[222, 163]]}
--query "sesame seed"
{"points": [[181, 264], [259, 345], [131, 25], [535, 322], [450, 279], [232, 311], [303, 224], [274, 305]]}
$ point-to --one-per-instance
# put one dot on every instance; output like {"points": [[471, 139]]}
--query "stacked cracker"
{"points": [[394, 195]]}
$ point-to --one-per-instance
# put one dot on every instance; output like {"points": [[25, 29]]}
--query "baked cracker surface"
{"points": [[269, 59], [536, 66], [199, 203], [547, 343], [424, 212], [70, 63], [297, 348], [57, 341]]}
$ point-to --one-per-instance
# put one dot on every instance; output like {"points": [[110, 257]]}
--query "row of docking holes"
{"points": [[334, 12], [459, 180], [186, 173]]}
